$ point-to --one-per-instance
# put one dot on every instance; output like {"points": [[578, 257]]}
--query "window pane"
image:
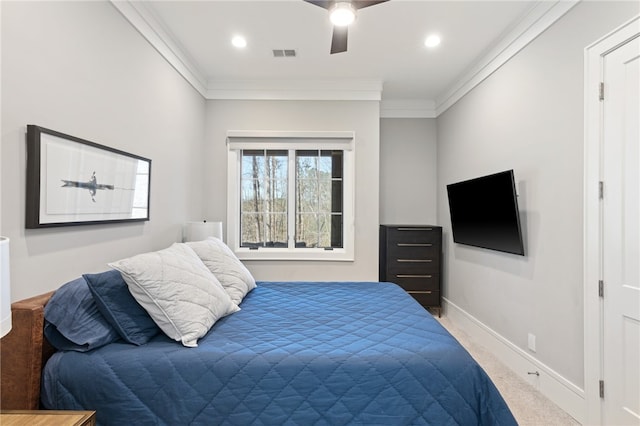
{"points": [[336, 196], [325, 224], [253, 164], [318, 195], [263, 209], [336, 231], [251, 230], [306, 164], [264, 230], [307, 195], [336, 163], [325, 163], [277, 164], [307, 230], [252, 195], [276, 230], [276, 196], [325, 195]]}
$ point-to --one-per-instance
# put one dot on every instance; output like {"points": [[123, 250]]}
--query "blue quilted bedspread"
{"points": [[296, 354]]}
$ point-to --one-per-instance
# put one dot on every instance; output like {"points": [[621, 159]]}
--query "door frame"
{"points": [[592, 267]]}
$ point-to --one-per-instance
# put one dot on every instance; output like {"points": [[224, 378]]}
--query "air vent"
{"points": [[284, 53]]}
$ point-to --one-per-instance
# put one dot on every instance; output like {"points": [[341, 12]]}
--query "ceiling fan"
{"points": [[342, 13]]}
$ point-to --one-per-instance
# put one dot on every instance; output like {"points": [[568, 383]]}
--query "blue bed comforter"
{"points": [[296, 354]]}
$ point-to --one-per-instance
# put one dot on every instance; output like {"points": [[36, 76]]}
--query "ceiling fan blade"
{"points": [[340, 34], [361, 4], [325, 4], [339, 40]]}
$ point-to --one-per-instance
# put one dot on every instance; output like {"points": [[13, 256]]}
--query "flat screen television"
{"points": [[484, 213]]}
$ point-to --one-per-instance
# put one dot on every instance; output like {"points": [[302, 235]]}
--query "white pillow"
{"points": [[177, 290], [223, 263]]}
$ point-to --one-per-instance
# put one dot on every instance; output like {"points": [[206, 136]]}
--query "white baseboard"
{"points": [[552, 385]]}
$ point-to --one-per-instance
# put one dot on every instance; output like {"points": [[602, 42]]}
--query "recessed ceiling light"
{"points": [[239, 42], [432, 41]]}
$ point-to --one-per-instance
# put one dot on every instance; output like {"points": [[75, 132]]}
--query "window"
{"points": [[291, 196]]}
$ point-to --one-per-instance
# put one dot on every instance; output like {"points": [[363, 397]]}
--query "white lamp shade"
{"points": [[198, 231], [5, 287]]}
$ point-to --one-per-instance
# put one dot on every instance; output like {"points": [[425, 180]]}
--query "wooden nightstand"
{"points": [[47, 418]]}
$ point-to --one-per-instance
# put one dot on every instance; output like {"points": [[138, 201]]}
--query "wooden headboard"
{"points": [[23, 353]]}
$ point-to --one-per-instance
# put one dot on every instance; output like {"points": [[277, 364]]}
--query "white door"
{"points": [[621, 235]]}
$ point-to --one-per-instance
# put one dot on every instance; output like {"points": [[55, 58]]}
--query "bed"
{"points": [[298, 353]]}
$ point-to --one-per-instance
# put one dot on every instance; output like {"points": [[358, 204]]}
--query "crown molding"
{"points": [[407, 108], [316, 90], [540, 17], [143, 20]]}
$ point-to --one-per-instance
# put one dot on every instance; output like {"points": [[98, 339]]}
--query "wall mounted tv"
{"points": [[484, 213]]}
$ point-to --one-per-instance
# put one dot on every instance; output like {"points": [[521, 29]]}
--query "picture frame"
{"points": [[73, 181]]}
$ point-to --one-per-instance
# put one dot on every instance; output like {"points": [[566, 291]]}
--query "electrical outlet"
{"points": [[532, 342]]}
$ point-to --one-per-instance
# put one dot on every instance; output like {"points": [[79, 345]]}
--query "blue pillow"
{"points": [[119, 307], [73, 321]]}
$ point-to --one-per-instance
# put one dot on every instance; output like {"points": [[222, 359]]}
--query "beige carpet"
{"points": [[529, 407]]}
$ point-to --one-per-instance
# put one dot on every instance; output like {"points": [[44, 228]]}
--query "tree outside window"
{"points": [[315, 177]]}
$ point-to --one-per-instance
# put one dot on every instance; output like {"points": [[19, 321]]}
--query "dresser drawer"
{"points": [[413, 266], [426, 298], [413, 251], [416, 282], [413, 235]]}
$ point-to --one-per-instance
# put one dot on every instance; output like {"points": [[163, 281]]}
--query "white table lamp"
{"points": [[5, 288], [198, 231]]}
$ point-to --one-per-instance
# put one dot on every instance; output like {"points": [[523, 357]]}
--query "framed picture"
{"points": [[71, 181]]}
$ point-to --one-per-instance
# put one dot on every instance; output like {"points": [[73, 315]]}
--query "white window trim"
{"points": [[239, 140]]}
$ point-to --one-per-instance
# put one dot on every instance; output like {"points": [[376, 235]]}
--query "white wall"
{"points": [[363, 117], [529, 116], [81, 69], [408, 174]]}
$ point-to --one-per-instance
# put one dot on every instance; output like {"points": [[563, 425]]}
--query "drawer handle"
{"points": [[414, 260], [419, 292], [414, 229], [413, 276], [413, 245]]}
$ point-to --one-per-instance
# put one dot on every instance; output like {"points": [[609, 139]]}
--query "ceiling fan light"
{"points": [[342, 14]]}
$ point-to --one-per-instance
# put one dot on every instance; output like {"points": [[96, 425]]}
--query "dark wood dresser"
{"points": [[411, 256]]}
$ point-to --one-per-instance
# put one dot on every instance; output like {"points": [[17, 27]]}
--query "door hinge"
{"points": [[601, 190], [601, 288], [601, 388], [601, 91]]}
